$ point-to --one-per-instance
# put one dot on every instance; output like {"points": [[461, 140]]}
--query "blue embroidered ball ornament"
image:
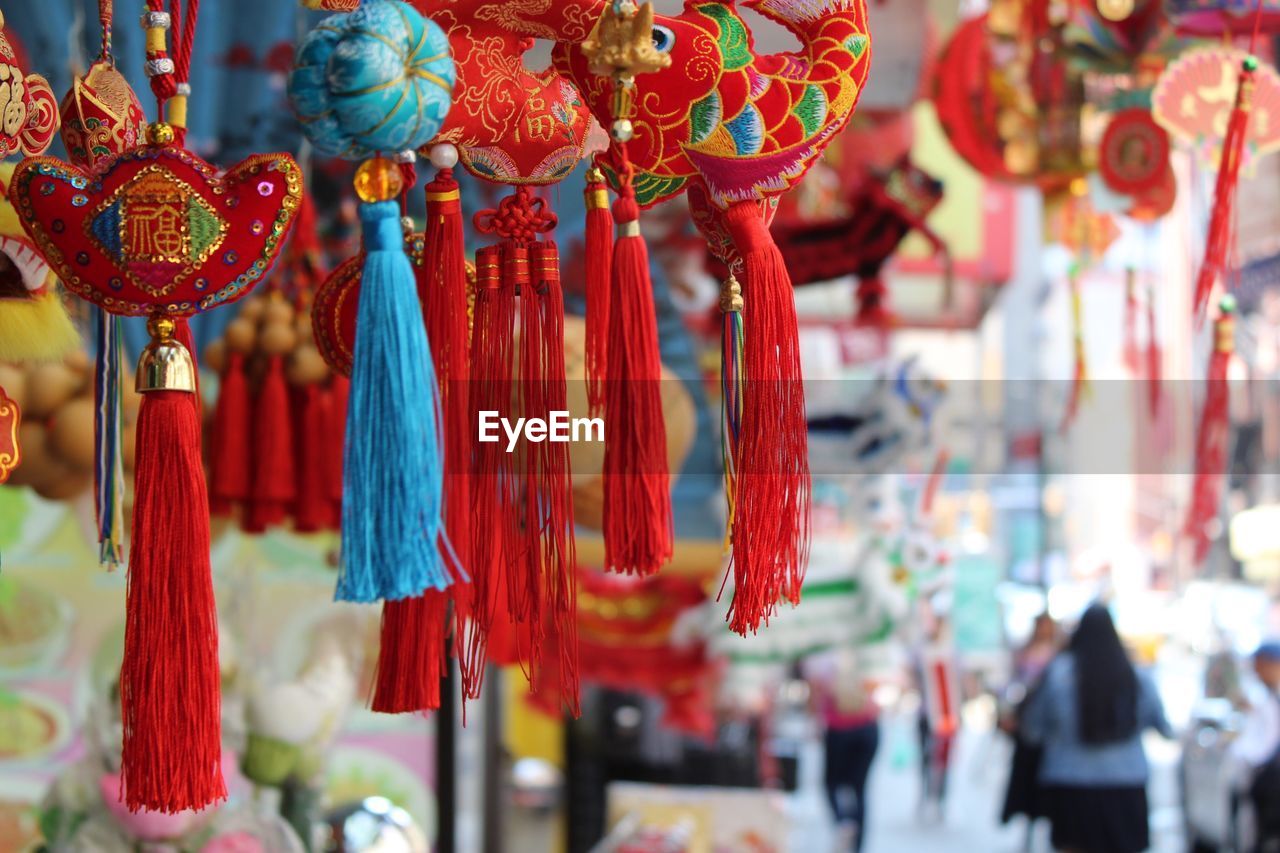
{"points": [[377, 79]]}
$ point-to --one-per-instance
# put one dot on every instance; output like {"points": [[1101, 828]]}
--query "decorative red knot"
{"points": [[520, 217]]}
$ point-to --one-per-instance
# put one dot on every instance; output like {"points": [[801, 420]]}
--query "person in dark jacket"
{"points": [[1089, 715]]}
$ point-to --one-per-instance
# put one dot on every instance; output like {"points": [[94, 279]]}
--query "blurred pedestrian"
{"points": [[1257, 747], [1089, 715], [852, 721], [1022, 795]]}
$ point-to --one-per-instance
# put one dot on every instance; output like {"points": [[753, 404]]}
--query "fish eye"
{"points": [[663, 39]]}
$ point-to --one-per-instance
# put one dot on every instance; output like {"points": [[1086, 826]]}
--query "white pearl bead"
{"points": [[444, 156]]}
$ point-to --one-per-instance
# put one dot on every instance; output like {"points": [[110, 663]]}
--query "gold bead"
{"points": [[731, 296], [378, 180], [159, 133]]}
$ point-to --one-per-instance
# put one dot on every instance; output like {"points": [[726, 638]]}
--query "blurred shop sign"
{"points": [[1254, 536]]}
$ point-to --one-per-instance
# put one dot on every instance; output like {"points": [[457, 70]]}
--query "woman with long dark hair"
{"points": [[1089, 715]]}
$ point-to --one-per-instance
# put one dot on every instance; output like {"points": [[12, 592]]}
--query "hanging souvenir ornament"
{"points": [[1007, 98], [1212, 436], [508, 124], [1196, 95], [735, 138], [380, 79], [28, 109], [101, 119], [157, 232], [1247, 109], [1134, 152], [1214, 18], [885, 209], [33, 321], [10, 450], [1130, 37], [638, 527]]}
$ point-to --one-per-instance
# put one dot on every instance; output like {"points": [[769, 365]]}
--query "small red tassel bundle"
{"points": [[1212, 436], [523, 524], [274, 487], [230, 462], [169, 681], [770, 535], [598, 261], [638, 530], [1220, 237]]}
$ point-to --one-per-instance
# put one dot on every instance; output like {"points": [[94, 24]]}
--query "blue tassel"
{"points": [[393, 460]]}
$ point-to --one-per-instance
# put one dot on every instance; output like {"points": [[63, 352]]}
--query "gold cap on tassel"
{"points": [[165, 364]]}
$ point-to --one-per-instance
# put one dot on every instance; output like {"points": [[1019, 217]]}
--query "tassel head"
{"points": [[166, 365]]}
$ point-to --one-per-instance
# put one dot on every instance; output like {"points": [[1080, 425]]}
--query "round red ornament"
{"points": [[1134, 152]]}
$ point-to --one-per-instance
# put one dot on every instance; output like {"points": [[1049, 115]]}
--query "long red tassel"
{"points": [[1218, 241], [1212, 436], [494, 536], [230, 463], [771, 519], [549, 482], [169, 680], [274, 484], [599, 264], [312, 510], [334, 437], [638, 532]]}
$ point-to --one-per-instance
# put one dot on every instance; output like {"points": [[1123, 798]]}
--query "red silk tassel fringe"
{"points": [[770, 535], [493, 502], [638, 533], [1219, 239], [1211, 440], [229, 455], [274, 486], [415, 631], [335, 431], [412, 658], [312, 510], [169, 681], [548, 499], [598, 263]]}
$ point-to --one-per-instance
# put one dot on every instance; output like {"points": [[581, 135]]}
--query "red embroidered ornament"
{"points": [[157, 232], [1134, 153], [28, 109]]}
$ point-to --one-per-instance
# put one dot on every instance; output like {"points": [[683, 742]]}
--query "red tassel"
{"points": [[169, 680], [274, 483], [1212, 436], [771, 523], [638, 534], [1219, 240], [1080, 373], [312, 510], [548, 482], [598, 263], [229, 455], [493, 501], [1155, 361], [415, 631], [412, 657], [335, 437], [873, 304], [443, 283], [1129, 347]]}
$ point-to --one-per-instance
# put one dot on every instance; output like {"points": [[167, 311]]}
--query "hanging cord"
{"points": [[170, 71], [105, 15]]}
